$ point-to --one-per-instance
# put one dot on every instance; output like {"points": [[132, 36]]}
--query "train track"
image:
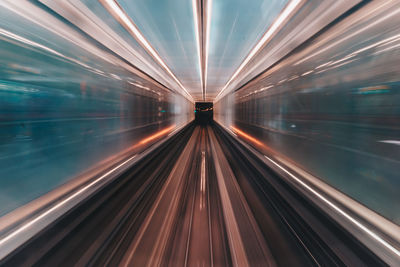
{"points": [[201, 199]]}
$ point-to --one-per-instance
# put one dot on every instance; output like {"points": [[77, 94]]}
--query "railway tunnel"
{"points": [[199, 133]]}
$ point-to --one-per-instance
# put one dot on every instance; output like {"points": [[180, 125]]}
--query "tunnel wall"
{"points": [[333, 108], [63, 109]]}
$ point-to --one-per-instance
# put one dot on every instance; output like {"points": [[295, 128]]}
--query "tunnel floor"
{"points": [[200, 200]]}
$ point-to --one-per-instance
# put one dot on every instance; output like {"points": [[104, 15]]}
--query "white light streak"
{"points": [[140, 86], [394, 142], [306, 73], [267, 35], [323, 65], [339, 210], [27, 226], [43, 47], [282, 81], [293, 78], [122, 16], [207, 36], [382, 42], [266, 88], [348, 36], [198, 40], [387, 49]]}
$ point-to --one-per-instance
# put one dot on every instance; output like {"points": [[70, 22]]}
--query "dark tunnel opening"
{"points": [[203, 112]]}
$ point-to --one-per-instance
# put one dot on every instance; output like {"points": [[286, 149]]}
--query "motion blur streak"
{"points": [[199, 133], [62, 109], [207, 42], [293, 4], [197, 20], [157, 135], [42, 216], [40, 17], [360, 31], [345, 214], [121, 16], [248, 137], [334, 100]]}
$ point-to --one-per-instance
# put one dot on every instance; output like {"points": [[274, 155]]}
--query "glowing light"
{"points": [[140, 86], [394, 142], [267, 35], [198, 40], [114, 8], [306, 73], [361, 226], [248, 137], [54, 209], [374, 88], [207, 41], [203, 180], [40, 46], [348, 36], [156, 135]]}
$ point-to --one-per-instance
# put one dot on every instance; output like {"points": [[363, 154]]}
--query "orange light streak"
{"points": [[248, 137], [156, 135]]}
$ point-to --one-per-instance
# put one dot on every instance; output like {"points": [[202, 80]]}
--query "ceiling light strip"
{"points": [[266, 37], [197, 16], [115, 9], [207, 42]]}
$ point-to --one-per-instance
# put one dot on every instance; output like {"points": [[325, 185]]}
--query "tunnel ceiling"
{"points": [[234, 28], [192, 46], [202, 49]]}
